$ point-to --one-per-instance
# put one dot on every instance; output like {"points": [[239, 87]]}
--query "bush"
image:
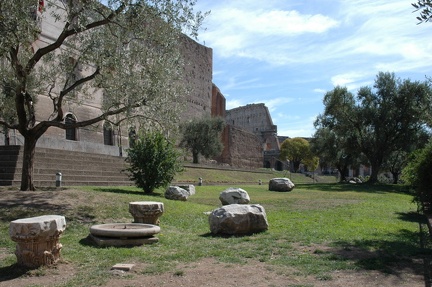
{"points": [[154, 161], [418, 174]]}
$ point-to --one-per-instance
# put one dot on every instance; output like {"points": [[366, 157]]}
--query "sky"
{"points": [[287, 54]]}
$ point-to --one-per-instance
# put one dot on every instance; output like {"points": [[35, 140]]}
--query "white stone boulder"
{"points": [[189, 187], [238, 219], [234, 195], [281, 184], [176, 193]]}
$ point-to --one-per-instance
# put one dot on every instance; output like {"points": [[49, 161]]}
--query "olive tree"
{"points": [[128, 51], [296, 150], [378, 120], [202, 136]]}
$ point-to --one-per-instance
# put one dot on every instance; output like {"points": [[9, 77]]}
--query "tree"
{"points": [[202, 136], [425, 8], [153, 161], [398, 159], [379, 120], [333, 149], [295, 150], [127, 52], [418, 174]]}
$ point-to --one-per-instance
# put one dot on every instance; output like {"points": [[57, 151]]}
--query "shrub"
{"points": [[153, 161], [418, 174]]}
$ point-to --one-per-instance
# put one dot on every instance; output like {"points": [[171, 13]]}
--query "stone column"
{"points": [[37, 239], [146, 211]]}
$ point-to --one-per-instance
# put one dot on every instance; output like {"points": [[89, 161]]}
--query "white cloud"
{"points": [[272, 104], [231, 104], [262, 34], [265, 50]]}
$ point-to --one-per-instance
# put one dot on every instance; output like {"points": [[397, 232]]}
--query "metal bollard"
{"points": [[58, 179]]}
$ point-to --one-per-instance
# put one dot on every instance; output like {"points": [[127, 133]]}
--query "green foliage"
{"points": [[297, 151], [154, 161], [315, 230], [418, 174], [203, 136], [379, 120], [127, 54], [425, 8]]}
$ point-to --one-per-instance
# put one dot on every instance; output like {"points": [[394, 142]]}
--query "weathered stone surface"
{"points": [[124, 230], [238, 219], [234, 195], [176, 193], [124, 234], [146, 211], [37, 239], [189, 187], [281, 184]]}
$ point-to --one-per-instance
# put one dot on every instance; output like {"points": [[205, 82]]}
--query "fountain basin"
{"points": [[124, 234]]}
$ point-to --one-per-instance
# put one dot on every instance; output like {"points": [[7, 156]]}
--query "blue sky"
{"points": [[288, 54]]}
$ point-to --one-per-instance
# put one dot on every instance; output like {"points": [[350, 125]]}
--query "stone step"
{"points": [[77, 168], [67, 176], [49, 183]]}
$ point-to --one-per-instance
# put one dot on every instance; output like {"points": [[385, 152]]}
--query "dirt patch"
{"points": [[208, 272]]}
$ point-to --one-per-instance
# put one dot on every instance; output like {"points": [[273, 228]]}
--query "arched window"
{"points": [[71, 133], [108, 134]]}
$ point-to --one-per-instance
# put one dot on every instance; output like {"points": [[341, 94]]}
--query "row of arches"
{"points": [[71, 133]]}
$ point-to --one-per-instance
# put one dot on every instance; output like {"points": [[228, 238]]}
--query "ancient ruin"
{"points": [[38, 239], [146, 211]]}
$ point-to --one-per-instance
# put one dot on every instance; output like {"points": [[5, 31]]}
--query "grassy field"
{"points": [[316, 229], [229, 176]]}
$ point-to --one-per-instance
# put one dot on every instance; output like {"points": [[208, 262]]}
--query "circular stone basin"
{"points": [[118, 230]]}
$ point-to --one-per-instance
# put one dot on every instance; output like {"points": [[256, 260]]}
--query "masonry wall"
{"points": [[218, 106], [241, 148], [254, 118], [197, 76]]}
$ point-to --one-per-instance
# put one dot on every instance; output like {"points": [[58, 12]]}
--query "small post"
{"points": [[58, 179], [200, 181]]}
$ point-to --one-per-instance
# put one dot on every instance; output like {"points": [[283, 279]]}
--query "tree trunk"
{"points": [[374, 175], [195, 157], [343, 171], [296, 165], [395, 177], [28, 162]]}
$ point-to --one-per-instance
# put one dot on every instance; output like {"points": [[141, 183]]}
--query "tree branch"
{"points": [[7, 125], [70, 32], [91, 121]]}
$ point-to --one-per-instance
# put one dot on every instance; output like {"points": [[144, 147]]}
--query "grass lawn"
{"points": [[314, 230]]}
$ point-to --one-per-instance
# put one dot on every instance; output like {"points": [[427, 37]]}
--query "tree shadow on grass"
{"points": [[29, 204], [126, 191], [412, 217], [401, 253]]}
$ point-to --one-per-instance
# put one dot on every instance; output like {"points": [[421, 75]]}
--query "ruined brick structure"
{"points": [[241, 148], [256, 120], [103, 137], [249, 139]]}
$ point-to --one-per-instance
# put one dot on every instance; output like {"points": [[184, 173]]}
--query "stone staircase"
{"points": [[77, 168]]}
